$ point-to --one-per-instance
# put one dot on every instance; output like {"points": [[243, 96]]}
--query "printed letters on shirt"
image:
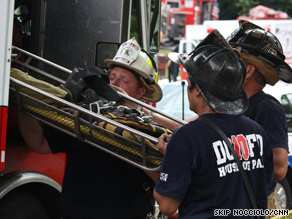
{"points": [[244, 146]]}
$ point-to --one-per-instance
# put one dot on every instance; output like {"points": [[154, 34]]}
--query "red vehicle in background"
{"points": [[261, 12], [176, 14]]}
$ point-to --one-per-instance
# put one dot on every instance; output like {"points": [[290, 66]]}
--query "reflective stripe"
{"points": [[2, 156]]}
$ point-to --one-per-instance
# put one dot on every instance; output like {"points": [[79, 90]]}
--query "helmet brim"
{"points": [[285, 72], [109, 63], [174, 56], [231, 107]]}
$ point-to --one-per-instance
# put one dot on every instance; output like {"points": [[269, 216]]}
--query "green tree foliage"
{"points": [[227, 10], [230, 9], [243, 6]]}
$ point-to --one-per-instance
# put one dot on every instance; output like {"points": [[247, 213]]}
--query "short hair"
{"points": [[192, 85], [259, 78]]}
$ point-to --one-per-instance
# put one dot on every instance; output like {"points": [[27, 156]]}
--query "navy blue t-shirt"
{"points": [[199, 169], [270, 114], [96, 184]]}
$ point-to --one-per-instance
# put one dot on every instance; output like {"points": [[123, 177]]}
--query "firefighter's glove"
{"points": [[76, 85], [90, 78]]}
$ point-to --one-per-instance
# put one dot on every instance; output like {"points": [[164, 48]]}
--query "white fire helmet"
{"points": [[131, 57]]}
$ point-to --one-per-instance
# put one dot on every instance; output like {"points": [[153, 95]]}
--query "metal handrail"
{"points": [[83, 110]]}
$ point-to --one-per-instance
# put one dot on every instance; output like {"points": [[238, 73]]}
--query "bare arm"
{"points": [[167, 205], [162, 143], [280, 163], [32, 134], [164, 121]]}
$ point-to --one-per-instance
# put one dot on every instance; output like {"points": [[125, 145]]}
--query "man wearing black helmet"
{"points": [[263, 56], [199, 175]]}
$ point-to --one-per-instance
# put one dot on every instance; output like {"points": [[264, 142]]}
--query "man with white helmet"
{"points": [[134, 72], [97, 184]]}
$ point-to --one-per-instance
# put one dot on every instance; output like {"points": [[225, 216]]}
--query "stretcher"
{"points": [[129, 143]]}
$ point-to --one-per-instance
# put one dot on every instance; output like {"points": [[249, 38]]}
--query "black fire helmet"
{"points": [[262, 44], [219, 72]]}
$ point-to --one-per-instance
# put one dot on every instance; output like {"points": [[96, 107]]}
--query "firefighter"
{"points": [[265, 63], [97, 184], [133, 72], [199, 175]]}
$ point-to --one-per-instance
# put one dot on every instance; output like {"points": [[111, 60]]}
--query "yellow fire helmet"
{"points": [[131, 57]]}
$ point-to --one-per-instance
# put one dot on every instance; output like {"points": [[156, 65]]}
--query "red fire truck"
{"points": [[67, 33], [176, 14]]}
